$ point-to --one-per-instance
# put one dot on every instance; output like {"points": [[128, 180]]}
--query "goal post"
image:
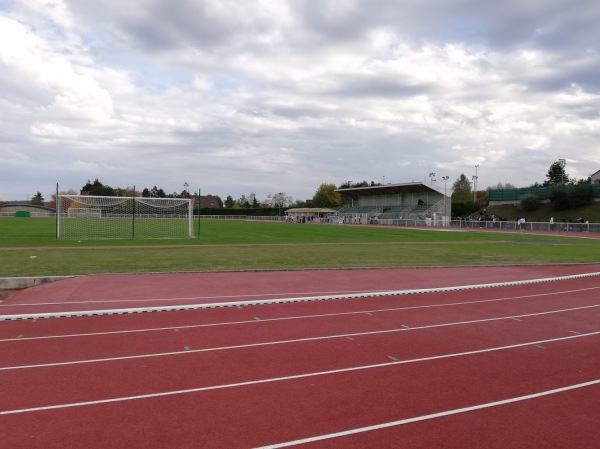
{"points": [[109, 217]]}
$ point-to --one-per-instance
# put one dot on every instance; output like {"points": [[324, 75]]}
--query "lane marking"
{"points": [[185, 298], [457, 411], [279, 342], [68, 314], [229, 323], [283, 378]]}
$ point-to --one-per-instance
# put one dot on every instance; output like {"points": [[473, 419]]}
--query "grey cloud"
{"points": [[375, 86]]}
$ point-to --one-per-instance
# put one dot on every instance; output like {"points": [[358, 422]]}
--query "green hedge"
{"points": [[262, 212]]}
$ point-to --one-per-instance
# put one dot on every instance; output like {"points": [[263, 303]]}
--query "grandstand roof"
{"points": [[388, 189]]}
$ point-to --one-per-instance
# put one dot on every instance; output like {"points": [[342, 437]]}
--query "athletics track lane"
{"points": [[155, 290], [564, 317]]}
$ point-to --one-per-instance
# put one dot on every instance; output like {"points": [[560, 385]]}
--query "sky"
{"points": [[266, 96]]}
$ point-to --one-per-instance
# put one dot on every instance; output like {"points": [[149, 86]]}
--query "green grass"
{"points": [[28, 247]]}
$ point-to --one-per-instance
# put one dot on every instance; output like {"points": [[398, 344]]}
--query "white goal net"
{"points": [[110, 217]]}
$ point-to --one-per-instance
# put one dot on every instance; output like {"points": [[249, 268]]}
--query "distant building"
{"points": [[595, 177], [308, 213], [207, 202]]}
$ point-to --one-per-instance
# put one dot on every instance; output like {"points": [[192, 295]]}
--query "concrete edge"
{"points": [[26, 282]]}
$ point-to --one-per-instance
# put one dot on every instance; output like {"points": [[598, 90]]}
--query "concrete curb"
{"points": [[25, 282]]}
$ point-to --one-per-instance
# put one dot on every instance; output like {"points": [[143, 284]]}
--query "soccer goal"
{"points": [[109, 217]]}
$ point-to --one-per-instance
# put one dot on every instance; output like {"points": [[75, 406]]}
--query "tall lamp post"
{"points": [[445, 178], [431, 176], [475, 185]]}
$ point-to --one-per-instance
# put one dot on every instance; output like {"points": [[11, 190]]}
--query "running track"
{"points": [[514, 365]]}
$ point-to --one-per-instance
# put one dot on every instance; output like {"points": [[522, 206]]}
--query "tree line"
{"points": [[566, 192]]}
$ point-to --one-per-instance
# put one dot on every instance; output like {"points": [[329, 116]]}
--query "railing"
{"points": [[527, 226], [407, 222]]}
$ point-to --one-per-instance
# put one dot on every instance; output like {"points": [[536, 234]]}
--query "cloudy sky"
{"points": [[269, 96]]}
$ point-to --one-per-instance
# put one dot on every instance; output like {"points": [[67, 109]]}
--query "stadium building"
{"points": [[411, 203]]}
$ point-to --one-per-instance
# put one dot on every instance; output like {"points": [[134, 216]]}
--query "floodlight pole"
{"points": [[475, 185], [562, 163], [56, 209], [133, 216], [199, 203], [445, 178]]}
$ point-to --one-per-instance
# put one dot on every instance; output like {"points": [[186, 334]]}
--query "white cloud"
{"points": [[269, 96]]}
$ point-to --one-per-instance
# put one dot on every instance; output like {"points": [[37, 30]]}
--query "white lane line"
{"points": [[281, 342], [186, 298], [430, 416], [179, 307], [299, 317], [286, 378]]}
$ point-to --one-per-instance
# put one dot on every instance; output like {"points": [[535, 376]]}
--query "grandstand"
{"points": [[393, 203]]}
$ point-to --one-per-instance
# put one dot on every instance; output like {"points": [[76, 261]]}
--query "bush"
{"points": [[464, 209], [579, 195], [530, 203], [559, 198]]}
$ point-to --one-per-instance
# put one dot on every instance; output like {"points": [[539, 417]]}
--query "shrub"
{"points": [[530, 203], [463, 209]]}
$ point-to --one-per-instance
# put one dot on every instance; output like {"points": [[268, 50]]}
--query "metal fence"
{"points": [[559, 226], [563, 226]]}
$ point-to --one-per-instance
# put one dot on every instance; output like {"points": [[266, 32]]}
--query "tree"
{"points": [[556, 175], [97, 188], [501, 186], [254, 204], [243, 202], [229, 202], [279, 200], [351, 185], [559, 198], [37, 199], [462, 192], [326, 196], [64, 192]]}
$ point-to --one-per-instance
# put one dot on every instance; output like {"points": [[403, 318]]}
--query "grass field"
{"points": [[28, 247]]}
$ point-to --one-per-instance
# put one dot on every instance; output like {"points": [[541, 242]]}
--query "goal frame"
{"points": [[113, 217]]}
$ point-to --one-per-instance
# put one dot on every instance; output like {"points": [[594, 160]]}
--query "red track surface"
{"points": [[512, 366]]}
